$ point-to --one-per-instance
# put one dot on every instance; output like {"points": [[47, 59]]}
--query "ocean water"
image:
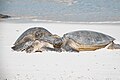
{"points": [[62, 10]]}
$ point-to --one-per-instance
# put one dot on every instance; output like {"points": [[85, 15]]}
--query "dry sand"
{"points": [[102, 64]]}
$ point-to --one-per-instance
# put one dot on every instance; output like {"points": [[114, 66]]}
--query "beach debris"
{"points": [[39, 39]]}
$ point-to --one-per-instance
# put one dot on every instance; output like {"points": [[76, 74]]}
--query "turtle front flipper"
{"points": [[51, 49], [114, 46], [18, 47], [70, 46], [22, 46]]}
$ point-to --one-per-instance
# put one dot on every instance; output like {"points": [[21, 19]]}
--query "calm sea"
{"points": [[63, 10]]}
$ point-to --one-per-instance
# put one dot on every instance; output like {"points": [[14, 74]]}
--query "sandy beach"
{"points": [[102, 64]]}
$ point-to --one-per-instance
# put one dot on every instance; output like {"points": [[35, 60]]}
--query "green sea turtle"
{"points": [[31, 40], [84, 41]]}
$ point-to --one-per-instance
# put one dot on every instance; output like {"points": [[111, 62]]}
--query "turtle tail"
{"points": [[114, 46]]}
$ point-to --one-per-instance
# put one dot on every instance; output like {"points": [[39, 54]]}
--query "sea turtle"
{"points": [[84, 40], [31, 39]]}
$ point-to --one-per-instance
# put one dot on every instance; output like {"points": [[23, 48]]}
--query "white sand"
{"points": [[102, 64]]}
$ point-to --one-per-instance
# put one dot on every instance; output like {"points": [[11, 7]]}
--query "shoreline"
{"points": [[33, 19]]}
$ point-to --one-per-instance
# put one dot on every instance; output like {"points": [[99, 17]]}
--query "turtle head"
{"points": [[57, 43], [55, 40]]}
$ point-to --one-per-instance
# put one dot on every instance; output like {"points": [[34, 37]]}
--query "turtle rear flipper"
{"points": [[114, 46]]}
